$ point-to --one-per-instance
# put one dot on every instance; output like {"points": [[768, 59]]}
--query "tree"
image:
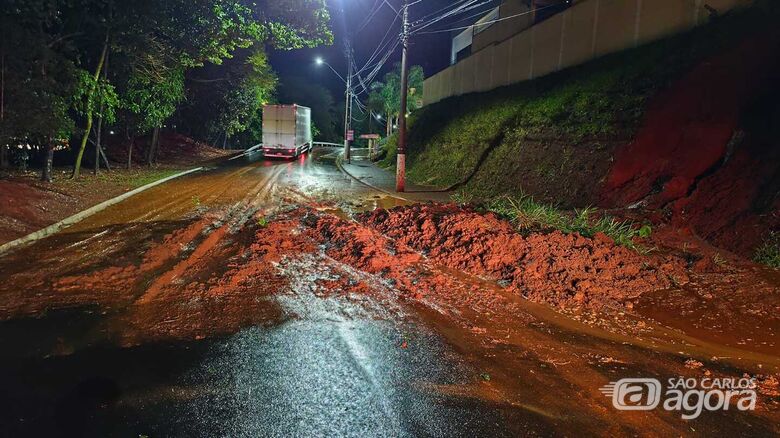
{"points": [[153, 98], [250, 88], [38, 79], [94, 94], [388, 93], [226, 98], [54, 52]]}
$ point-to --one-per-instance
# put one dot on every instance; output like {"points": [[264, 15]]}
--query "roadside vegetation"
{"points": [[554, 137], [129, 179], [769, 252], [528, 215], [76, 71]]}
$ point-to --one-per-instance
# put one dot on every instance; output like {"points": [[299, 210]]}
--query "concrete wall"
{"points": [[591, 28], [503, 30]]}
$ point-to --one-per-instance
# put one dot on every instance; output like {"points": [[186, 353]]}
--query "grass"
{"points": [[529, 215], [769, 252], [132, 179]]}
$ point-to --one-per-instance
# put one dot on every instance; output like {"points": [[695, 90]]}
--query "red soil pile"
{"points": [[553, 268], [692, 158], [398, 266]]}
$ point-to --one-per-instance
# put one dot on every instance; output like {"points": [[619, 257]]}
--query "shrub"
{"points": [[769, 252]]}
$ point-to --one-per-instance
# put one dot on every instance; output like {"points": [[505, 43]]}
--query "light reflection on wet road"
{"points": [[330, 367]]}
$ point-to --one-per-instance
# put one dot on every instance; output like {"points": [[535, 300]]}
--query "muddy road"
{"points": [[247, 301]]}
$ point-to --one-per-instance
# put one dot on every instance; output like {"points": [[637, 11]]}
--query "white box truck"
{"points": [[286, 130]]}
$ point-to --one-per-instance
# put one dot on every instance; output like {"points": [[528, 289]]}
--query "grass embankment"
{"points": [[115, 180], [554, 137]]}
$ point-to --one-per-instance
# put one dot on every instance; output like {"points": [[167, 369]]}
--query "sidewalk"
{"points": [[366, 172]]}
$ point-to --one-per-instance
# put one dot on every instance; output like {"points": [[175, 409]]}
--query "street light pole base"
{"points": [[400, 173]]}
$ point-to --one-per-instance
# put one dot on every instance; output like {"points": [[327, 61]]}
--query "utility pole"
{"points": [[348, 103], [400, 168]]}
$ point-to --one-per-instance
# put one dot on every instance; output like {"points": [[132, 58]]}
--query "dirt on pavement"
{"points": [[224, 269], [434, 253]]}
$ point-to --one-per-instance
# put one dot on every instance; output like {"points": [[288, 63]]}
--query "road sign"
{"points": [[350, 135], [370, 136]]}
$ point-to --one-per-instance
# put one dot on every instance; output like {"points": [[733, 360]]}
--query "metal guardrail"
{"points": [[314, 144], [327, 144]]}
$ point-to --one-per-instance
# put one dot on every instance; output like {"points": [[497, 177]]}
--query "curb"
{"points": [[246, 152], [339, 161], [57, 226]]}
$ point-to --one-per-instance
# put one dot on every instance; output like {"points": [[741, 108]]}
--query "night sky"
{"points": [[432, 51]]}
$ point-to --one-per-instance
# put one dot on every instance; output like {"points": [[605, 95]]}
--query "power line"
{"points": [[374, 9], [365, 82], [488, 22], [391, 6], [462, 8], [425, 17], [382, 44], [478, 14]]}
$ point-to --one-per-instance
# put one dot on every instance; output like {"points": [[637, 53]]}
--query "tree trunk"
{"points": [[131, 142], [90, 94], [48, 159], [99, 131], [4, 157], [130, 154], [105, 159], [97, 145], [77, 166], [153, 147], [3, 148]]}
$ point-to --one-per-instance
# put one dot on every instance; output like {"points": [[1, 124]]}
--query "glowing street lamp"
{"points": [[319, 61], [348, 102]]}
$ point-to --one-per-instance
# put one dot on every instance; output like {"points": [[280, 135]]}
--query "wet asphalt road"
{"points": [[301, 377], [324, 367]]}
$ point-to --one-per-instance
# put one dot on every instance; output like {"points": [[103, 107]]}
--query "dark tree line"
{"points": [[71, 68]]}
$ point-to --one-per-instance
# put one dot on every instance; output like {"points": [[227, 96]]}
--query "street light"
{"points": [[348, 103], [319, 61]]}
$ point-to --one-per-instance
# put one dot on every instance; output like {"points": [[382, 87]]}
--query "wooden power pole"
{"points": [[348, 104], [400, 169]]}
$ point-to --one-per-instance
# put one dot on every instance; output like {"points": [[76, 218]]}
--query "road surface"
{"points": [[142, 321]]}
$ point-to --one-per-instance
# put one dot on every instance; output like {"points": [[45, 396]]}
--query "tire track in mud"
{"points": [[104, 263], [214, 237]]}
